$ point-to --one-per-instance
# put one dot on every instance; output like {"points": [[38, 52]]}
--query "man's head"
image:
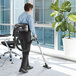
{"points": [[28, 7]]}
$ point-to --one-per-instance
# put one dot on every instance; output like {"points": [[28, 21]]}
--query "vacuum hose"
{"points": [[16, 36]]}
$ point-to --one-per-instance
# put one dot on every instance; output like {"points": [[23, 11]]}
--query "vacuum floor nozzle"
{"points": [[46, 66]]}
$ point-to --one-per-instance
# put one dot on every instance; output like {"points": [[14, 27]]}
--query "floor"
{"points": [[60, 67]]}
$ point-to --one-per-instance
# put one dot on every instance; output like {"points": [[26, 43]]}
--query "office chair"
{"points": [[10, 45]]}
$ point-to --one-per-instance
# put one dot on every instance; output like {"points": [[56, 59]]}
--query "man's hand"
{"points": [[35, 37]]}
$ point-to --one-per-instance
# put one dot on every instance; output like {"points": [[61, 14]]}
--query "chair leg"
{"points": [[6, 53], [10, 57], [10, 52], [15, 53]]}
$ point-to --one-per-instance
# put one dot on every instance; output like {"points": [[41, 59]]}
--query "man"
{"points": [[25, 37]]}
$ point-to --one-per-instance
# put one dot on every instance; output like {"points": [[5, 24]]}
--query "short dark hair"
{"points": [[28, 6]]}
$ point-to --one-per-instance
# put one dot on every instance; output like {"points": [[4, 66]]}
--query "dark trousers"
{"points": [[25, 39], [25, 60]]}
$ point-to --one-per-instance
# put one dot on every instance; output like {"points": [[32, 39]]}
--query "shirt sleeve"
{"points": [[31, 25], [19, 19]]}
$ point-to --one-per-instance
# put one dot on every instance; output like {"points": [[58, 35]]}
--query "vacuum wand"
{"points": [[45, 66]]}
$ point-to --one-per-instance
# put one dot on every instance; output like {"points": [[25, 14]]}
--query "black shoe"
{"points": [[29, 67], [23, 70]]}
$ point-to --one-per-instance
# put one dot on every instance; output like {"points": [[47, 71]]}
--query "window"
{"points": [[39, 11], [49, 37], [42, 16], [42, 11], [4, 29], [47, 18], [18, 9], [45, 36], [5, 11], [4, 16]]}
